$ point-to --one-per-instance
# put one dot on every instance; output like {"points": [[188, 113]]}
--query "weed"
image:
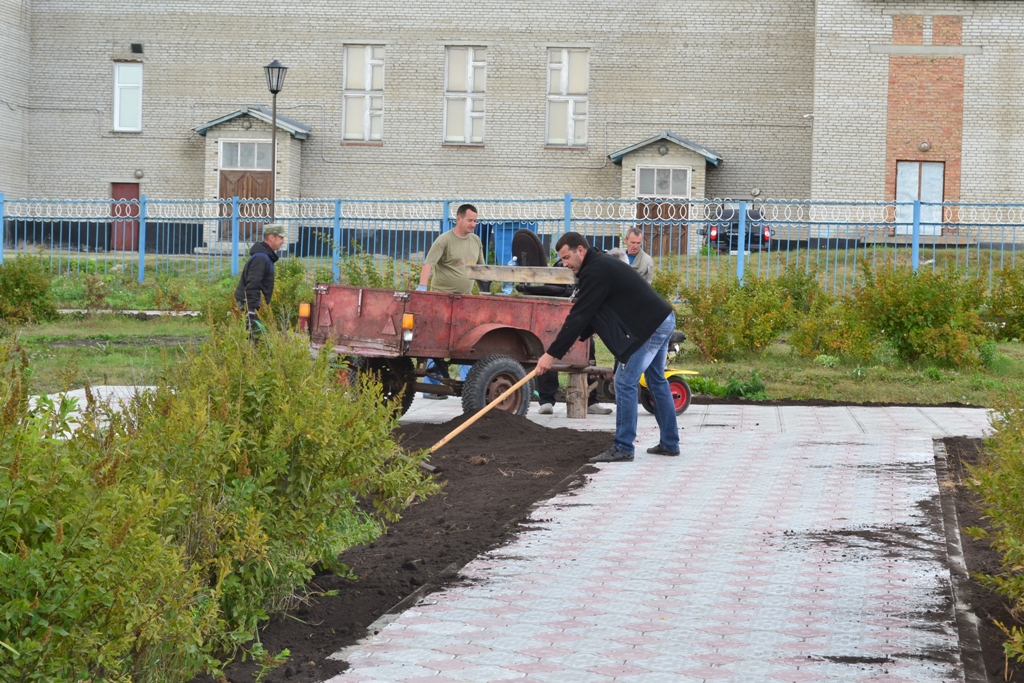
{"points": [[826, 360]]}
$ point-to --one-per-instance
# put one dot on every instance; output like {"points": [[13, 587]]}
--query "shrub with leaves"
{"points": [[758, 312], [153, 538], [90, 586], [831, 326], [999, 481], [666, 282], [1005, 306], [801, 286], [926, 315], [706, 322], [25, 291]]}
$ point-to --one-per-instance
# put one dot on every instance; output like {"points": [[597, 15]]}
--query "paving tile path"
{"points": [[785, 544]]}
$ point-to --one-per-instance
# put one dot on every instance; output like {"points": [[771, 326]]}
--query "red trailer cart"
{"points": [[395, 334]]}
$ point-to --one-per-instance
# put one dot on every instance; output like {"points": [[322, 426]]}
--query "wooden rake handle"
{"points": [[458, 430]]}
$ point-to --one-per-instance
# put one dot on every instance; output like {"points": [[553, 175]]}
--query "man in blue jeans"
{"points": [[635, 323]]}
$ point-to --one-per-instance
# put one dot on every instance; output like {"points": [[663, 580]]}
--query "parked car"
{"points": [[723, 231]]}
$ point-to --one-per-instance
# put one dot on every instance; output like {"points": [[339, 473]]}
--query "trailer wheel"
{"points": [[489, 378], [393, 374], [680, 395]]}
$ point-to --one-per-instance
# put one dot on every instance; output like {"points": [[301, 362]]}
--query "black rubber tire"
{"points": [[681, 395], [394, 375], [489, 378]]}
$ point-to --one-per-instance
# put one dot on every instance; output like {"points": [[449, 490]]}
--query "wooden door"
{"points": [[664, 225], [244, 185], [124, 234]]}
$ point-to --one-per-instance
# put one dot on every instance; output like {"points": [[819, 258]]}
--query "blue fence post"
{"points": [[446, 213], [336, 243], [3, 223], [234, 235], [915, 236], [741, 247], [568, 212], [142, 239]]}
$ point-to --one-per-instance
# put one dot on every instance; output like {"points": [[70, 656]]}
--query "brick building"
{"points": [[851, 99]]}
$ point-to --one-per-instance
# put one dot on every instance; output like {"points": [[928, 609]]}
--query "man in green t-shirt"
{"points": [[451, 253], [447, 260]]}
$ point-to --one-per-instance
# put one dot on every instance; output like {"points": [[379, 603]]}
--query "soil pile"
{"points": [[493, 473]]}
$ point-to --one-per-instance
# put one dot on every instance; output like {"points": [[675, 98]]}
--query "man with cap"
{"points": [[256, 285]]}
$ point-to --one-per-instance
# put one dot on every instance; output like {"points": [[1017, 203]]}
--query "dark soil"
{"points": [[980, 558], [494, 472]]}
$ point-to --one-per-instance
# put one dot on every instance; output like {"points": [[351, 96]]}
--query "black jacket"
{"points": [[257, 277], [613, 302]]}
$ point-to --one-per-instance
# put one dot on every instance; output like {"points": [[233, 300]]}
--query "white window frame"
{"points": [[367, 94], [122, 90], [474, 94], [241, 141], [656, 168], [558, 92]]}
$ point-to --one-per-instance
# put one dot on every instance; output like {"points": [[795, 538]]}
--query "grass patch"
{"points": [[788, 376]]}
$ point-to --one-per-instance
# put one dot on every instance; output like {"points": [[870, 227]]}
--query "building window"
{"points": [[465, 83], [662, 183], [128, 97], [245, 156], [924, 181], [364, 93], [568, 76]]}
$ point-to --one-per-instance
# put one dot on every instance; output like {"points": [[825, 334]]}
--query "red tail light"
{"points": [[767, 233], [714, 232]]}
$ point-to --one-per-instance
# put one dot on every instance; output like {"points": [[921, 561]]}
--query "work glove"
{"points": [[421, 288]]}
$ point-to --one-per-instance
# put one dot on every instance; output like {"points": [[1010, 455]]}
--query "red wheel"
{"points": [[680, 393]]}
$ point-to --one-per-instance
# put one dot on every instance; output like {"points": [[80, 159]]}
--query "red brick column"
{"points": [[926, 101]]}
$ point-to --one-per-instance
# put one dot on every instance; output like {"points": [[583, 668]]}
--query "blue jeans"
{"points": [[648, 360], [463, 371]]}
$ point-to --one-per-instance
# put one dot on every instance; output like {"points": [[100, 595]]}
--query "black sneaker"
{"points": [[613, 454], [661, 450]]}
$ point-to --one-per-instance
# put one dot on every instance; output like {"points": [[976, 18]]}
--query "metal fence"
{"points": [[692, 241]]}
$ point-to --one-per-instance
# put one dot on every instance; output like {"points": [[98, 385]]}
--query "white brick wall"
{"points": [[15, 77], [734, 75]]}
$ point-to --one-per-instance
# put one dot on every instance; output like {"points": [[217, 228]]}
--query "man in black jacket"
{"points": [[635, 323], [257, 282]]}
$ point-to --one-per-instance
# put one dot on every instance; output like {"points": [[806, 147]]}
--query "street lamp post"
{"points": [[275, 72]]}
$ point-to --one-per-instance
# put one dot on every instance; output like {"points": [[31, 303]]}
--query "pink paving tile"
{"points": [[567, 623], [637, 640], [446, 664], [544, 652], [707, 673], [628, 654], [619, 670], [649, 626], [796, 675], [806, 632], [461, 649], [556, 637], [801, 646], [533, 667], [724, 630], [715, 658], [721, 643], [885, 678]]}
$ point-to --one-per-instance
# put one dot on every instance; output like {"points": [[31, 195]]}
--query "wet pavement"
{"points": [[784, 544]]}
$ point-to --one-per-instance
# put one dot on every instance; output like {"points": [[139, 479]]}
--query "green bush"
{"points": [[831, 326], [90, 587], [707, 323], [666, 283], [999, 481], [928, 315], [801, 286], [25, 291], [154, 539], [1005, 306], [758, 312]]}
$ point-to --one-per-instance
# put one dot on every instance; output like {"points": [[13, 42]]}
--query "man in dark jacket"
{"points": [[635, 323], [257, 282]]}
